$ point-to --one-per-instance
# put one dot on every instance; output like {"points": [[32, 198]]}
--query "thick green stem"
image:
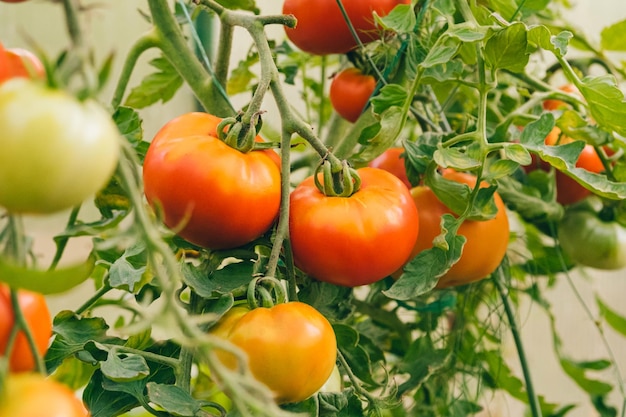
{"points": [[145, 42], [499, 280], [224, 49], [175, 48]]}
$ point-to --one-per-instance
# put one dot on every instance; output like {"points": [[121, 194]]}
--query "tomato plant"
{"points": [[226, 203], [350, 91], [336, 36], [353, 240], [294, 354], [33, 395], [487, 240], [555, 104], [48, 164], [35, 311], [392, 161]]}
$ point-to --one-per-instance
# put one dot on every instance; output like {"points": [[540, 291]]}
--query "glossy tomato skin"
{"points": [[486, 242], [321, 29], [33, 395], [213, 195], [56, 150], [392, 161], [291, 347], [591, 241], [18, 62], [37, 315], [356, 240], [350, 90]]}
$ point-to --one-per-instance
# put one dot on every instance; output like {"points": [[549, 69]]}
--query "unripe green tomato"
{"points": [[57, 151], [590, 241]]}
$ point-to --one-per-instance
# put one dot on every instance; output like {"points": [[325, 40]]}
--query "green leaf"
{"points": [[541, 37], [130, 125], [444, 49], [507, 48], [234, 273], [128, 270], [122, 367], [455, 158], [343, 404], [613, 319], [391, 123], [467, 32], [401, 19], [575, 127], [612, 37], [422, 273], [499, 169], [158, 86], [390, 95], [173, 399], [332, 301], [578, 372], [518, 153], [350, 344], [533, 204], [45, 281]]}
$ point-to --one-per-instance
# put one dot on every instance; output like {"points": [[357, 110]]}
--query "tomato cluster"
{"points": [[290, 347]]}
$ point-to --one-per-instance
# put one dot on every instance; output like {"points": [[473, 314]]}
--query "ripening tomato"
{"points": [[37, 315], [213, 195], [554, 104], [33, 395], [392, 161], [486, 242], [568, 191], [322, 30], [18, 62], [350, 90], [291, 347], [56, 150], [354, 240]]}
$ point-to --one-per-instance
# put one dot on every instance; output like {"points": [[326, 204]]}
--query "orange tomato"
{"points": [[392, 162]]}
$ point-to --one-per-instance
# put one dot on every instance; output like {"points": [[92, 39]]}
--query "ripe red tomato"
{"points": [[322, 30], [33, 395], [568, 191], [35, 310], [486, 243], [392, 161], [350, 90], [213, 195], [18, 62], [291, 347], [354, 240]]}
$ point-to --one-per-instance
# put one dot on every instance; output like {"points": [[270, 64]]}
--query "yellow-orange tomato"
{"points": [[33, 395], [486, 243], [554, 104], [290, 347], [35, 310]]}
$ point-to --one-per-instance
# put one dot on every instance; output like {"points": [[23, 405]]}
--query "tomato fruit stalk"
{"points": [[355, 240], [35, 310], [290, 347], [213, 195]]}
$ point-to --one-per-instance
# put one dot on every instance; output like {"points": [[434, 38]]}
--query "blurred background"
{"points": [[114, 24]]}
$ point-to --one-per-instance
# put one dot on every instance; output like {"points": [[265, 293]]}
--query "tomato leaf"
{"points": [[401, 19], [421, 273], [357, 356], [158, 86], [391, 123], [173, 399], [45, 281], [208, 282], [575, 127], [343, 404], [129, 269], [612, 37], [507, 48], [613, 319], [332, 301], [390, 95], [122, 367], [454, 158], [534, 201]]}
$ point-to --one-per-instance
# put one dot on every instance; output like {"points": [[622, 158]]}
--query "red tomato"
{"points": [[486, 243], [35, 310], [392, 161], [322, 30], [354, 240], [291, 347], [568, 191], [213, 195], [18, 62], [33, 395], [350, 91], [553, 104]]}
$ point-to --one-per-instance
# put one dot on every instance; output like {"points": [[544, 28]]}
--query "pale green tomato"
{"points": [[55, 151]]}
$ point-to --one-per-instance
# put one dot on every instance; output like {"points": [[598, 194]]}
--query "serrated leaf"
{"points": [[158, 86], [390, 95]]}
